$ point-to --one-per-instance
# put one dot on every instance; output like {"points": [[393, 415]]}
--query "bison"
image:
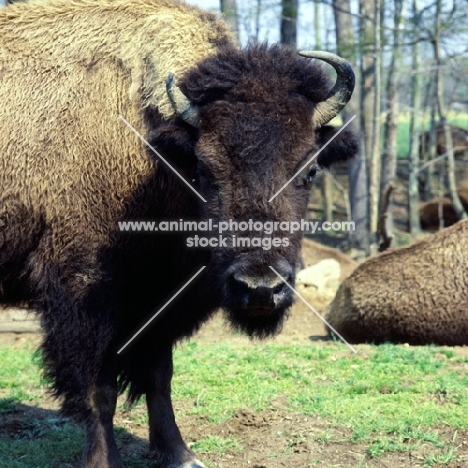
{"points": [[418, 294], [427, 174], [432, 210], [235, 124], [459, 138]]}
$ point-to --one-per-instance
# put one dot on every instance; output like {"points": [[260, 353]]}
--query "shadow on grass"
{"points": [[34, 437]]}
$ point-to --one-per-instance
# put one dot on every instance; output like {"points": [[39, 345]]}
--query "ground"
{"points": [[310, 441], [274, 437]]}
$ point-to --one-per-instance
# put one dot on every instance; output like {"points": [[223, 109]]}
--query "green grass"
{"points": [[216, 444], [442, 458], [41, 444], [342, 388], [393, 398], [20, 379]]}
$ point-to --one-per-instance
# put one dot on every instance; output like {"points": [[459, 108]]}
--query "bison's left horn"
{"points": [[182, 106], [340, 94]]}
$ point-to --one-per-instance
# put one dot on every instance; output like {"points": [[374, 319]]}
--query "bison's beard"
{"points": [[259, 323]]}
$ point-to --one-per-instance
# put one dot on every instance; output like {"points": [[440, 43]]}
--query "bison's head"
{"points": [[248, 121]]}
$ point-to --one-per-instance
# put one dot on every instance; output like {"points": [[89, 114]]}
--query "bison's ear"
{"points": [[342, 147]]}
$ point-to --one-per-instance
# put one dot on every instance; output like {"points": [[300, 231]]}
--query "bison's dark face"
{"points": [[255, 131]]}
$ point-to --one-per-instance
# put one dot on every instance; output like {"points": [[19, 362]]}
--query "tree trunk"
{"points": [[317, 26], [370, 106], [415, 132], [229, 11], [327, 186], [375, 158], [452, 186], [428, 180], [357, 169], [385, 227], [391, 123], [289, 22], [432, 182]]}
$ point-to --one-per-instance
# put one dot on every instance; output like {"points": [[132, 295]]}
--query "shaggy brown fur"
{"points": [[459, 139], [145, 40], [70, 170], [429, 211], [418, 294]]}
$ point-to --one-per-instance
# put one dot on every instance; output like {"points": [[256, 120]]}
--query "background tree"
{"points": [[370, 50], [288, 28], [415, 127], [389, 157], [375, 156], [357, 171], [326, 184], [229, 11], [436, 42]]}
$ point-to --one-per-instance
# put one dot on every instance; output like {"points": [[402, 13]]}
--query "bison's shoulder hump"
{"points": [[149, 38]]}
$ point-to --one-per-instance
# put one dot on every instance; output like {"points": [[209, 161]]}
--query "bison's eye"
{"points": [[308, 179], [312, 173]]}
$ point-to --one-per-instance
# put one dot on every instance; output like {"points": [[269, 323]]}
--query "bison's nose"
{"points": [[266, 291]]}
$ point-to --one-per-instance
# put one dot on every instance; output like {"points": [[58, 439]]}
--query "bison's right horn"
{"points": [[182, 106], [340, 94]]}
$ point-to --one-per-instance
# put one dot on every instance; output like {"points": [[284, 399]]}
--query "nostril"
{"points": [[286, 276], [289, 278], [279, 288], [239, 283]]}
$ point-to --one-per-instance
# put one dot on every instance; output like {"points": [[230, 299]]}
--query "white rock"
{"points": [[324, 275]]}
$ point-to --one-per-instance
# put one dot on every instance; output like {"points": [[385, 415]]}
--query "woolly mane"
{"points": [[258, 73], [139, 33]]}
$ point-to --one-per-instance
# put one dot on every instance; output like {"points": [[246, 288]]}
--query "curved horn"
{"points": [[182, 106], [340, 94]]}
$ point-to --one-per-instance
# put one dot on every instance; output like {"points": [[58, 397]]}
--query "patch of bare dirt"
{"points": [[277, 438], [273, 438]]}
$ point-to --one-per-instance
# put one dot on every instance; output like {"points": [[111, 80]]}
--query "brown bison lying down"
{"points": [[415, 294], [430, 211]]}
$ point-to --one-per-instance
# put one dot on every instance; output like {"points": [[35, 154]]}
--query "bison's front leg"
{"points": [[101, 449], [165, 439]]}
